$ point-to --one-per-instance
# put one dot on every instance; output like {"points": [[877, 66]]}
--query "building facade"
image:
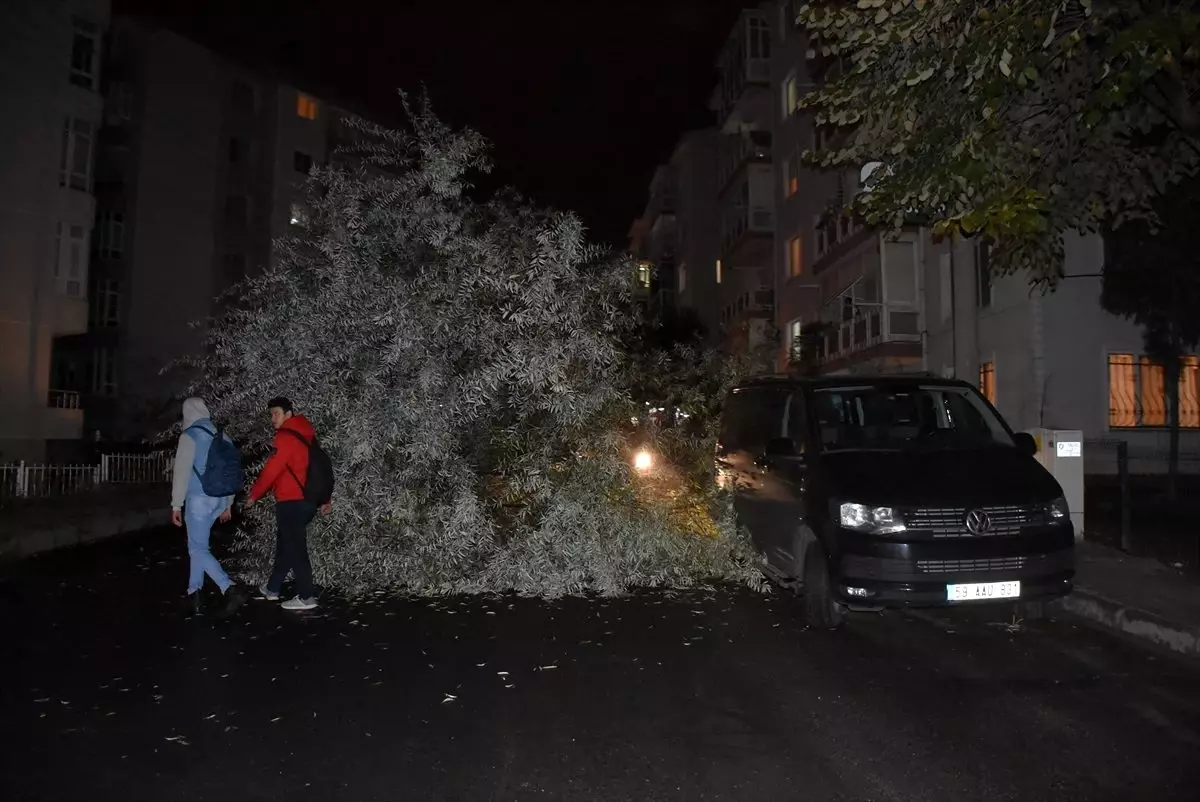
{"points": [[50, 53], [200, 164], [746, 181]]}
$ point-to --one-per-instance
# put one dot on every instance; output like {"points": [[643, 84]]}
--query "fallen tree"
{"points": [[463, 363]]}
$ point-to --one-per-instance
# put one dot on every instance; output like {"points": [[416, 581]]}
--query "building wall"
{"points": [[694, 162], [205, 172], [36, 50]]}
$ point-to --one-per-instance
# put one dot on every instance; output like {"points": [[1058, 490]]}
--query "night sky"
{"points": [[580, 99]]}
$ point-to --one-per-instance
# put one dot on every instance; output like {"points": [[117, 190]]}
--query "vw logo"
{"points": [[978, 522]]}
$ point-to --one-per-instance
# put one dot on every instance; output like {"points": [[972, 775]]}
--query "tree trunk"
{"points": [[1172, 371]]}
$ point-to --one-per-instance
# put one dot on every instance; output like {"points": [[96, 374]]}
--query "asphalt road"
{"points": [[107, 693]]}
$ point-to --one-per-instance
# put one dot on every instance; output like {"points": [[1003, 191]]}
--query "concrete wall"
{"points": [[173, 244]]}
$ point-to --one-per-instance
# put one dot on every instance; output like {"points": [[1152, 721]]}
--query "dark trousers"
{"points": [[291, 547]]}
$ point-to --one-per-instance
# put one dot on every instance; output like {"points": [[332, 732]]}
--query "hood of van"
{"points": [[938, 478]]}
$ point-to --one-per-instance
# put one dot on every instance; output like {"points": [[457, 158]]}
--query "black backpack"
{"points": [[318, 481]]}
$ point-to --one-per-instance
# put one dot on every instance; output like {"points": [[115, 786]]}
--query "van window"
{"points": [[753, 415], [903, 416], [797, 423]]}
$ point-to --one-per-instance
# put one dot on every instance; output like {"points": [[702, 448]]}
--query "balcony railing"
{"points": [[741, 149], [63, 399], [871, 325], [755, 220]]}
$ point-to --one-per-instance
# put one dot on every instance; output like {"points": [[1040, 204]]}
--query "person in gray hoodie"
{"points": [[193, 508]]}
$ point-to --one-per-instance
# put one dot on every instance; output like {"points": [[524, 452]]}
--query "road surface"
{"points": [[106, 692]]}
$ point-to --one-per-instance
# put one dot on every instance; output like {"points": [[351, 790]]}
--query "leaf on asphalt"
{"points": [[179, 739], [449, 698]]}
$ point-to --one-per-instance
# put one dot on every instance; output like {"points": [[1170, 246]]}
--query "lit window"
{"points": [[1137, 392], [682, 278], [84, 51], [795, 257], [791, 175], [644, 273], [306, 106], [720, 272], [75, 165], [987, 381], [791, 95]]}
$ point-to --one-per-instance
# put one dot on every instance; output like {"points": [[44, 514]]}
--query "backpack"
{"points": [[318, 480], [223, 475]]}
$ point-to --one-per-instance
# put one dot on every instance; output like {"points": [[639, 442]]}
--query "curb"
{"points": [[28, 543], [1113, 615]]}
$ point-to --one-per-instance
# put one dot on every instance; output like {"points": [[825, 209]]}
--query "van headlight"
{"points": [[1057, 511], [873, 520]]}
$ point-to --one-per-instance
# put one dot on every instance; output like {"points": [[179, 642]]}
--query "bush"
{"points": [[463, 364]]}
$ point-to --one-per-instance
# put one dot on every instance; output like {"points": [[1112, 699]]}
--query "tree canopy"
{"points": [[463, 363], [1014, 120]]}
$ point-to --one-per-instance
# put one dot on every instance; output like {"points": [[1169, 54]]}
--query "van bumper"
{"points": [[884, 571]]}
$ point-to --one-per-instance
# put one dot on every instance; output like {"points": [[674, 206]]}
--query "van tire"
{"points": [[821, 609]]}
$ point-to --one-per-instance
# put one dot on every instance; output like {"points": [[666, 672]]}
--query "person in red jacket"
{"points": [[284, 476]]}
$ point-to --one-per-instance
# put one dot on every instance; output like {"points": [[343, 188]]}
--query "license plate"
{"points": [[983, 590]]}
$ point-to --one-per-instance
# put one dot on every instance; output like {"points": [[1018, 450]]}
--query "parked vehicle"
{"points": [[873, 492]]}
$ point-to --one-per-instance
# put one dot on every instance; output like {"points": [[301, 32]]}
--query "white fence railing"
{"points": [[26, 480]]}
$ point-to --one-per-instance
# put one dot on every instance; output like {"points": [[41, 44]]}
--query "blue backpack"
{"points": [[223, 475]]}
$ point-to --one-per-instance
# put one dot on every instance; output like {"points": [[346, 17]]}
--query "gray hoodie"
{"points": [[194, 409]]}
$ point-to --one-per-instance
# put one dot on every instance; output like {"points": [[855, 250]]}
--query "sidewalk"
{"points": [[1138, 596], [38, 525]]}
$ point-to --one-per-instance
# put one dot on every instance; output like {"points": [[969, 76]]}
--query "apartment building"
{"points": [[50, 54], [199, 166], [872, 302], [746, 181]]}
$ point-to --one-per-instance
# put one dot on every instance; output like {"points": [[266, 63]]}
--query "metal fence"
{"points": [[29, 480]]}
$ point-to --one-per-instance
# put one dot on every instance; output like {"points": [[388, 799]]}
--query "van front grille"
{"points": [[1008, 519], [963, 566]]}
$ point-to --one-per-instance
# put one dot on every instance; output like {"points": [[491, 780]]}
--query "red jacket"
{"points": [[285, 471]]}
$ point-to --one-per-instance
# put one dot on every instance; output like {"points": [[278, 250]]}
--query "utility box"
{"points": [[1061, 452]]}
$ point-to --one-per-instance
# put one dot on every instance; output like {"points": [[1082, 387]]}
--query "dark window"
{"points": [[983, 263], [237, 151], [302, 162], [753, 416], [797, 422], [237, 209], [83, 54], [233, 268], [242, 97]]}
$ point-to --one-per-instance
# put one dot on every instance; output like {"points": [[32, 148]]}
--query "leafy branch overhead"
{"points": [[1015, 120]]}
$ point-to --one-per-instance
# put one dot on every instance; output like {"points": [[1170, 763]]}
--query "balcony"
{"points": [[741, 149], [63, 399], [879, 315], [747, 235], [745, 68]]}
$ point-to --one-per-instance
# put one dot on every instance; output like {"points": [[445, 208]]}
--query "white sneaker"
{"points": [[299, 604], [266, 594]]}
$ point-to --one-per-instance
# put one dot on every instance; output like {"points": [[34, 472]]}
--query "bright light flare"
{"points": [[643, 461]]}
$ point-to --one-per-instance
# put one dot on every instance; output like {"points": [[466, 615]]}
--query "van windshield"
{"points": [[895, 417]]}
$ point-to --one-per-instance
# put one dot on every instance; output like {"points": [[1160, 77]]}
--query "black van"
{"points": [[907, 490]]}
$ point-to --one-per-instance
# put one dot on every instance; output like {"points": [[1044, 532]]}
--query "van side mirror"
{"points": [[1026, 444], [781, 447]]}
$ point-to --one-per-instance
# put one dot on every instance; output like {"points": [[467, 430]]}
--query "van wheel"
{"points": [[821, 609]]}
